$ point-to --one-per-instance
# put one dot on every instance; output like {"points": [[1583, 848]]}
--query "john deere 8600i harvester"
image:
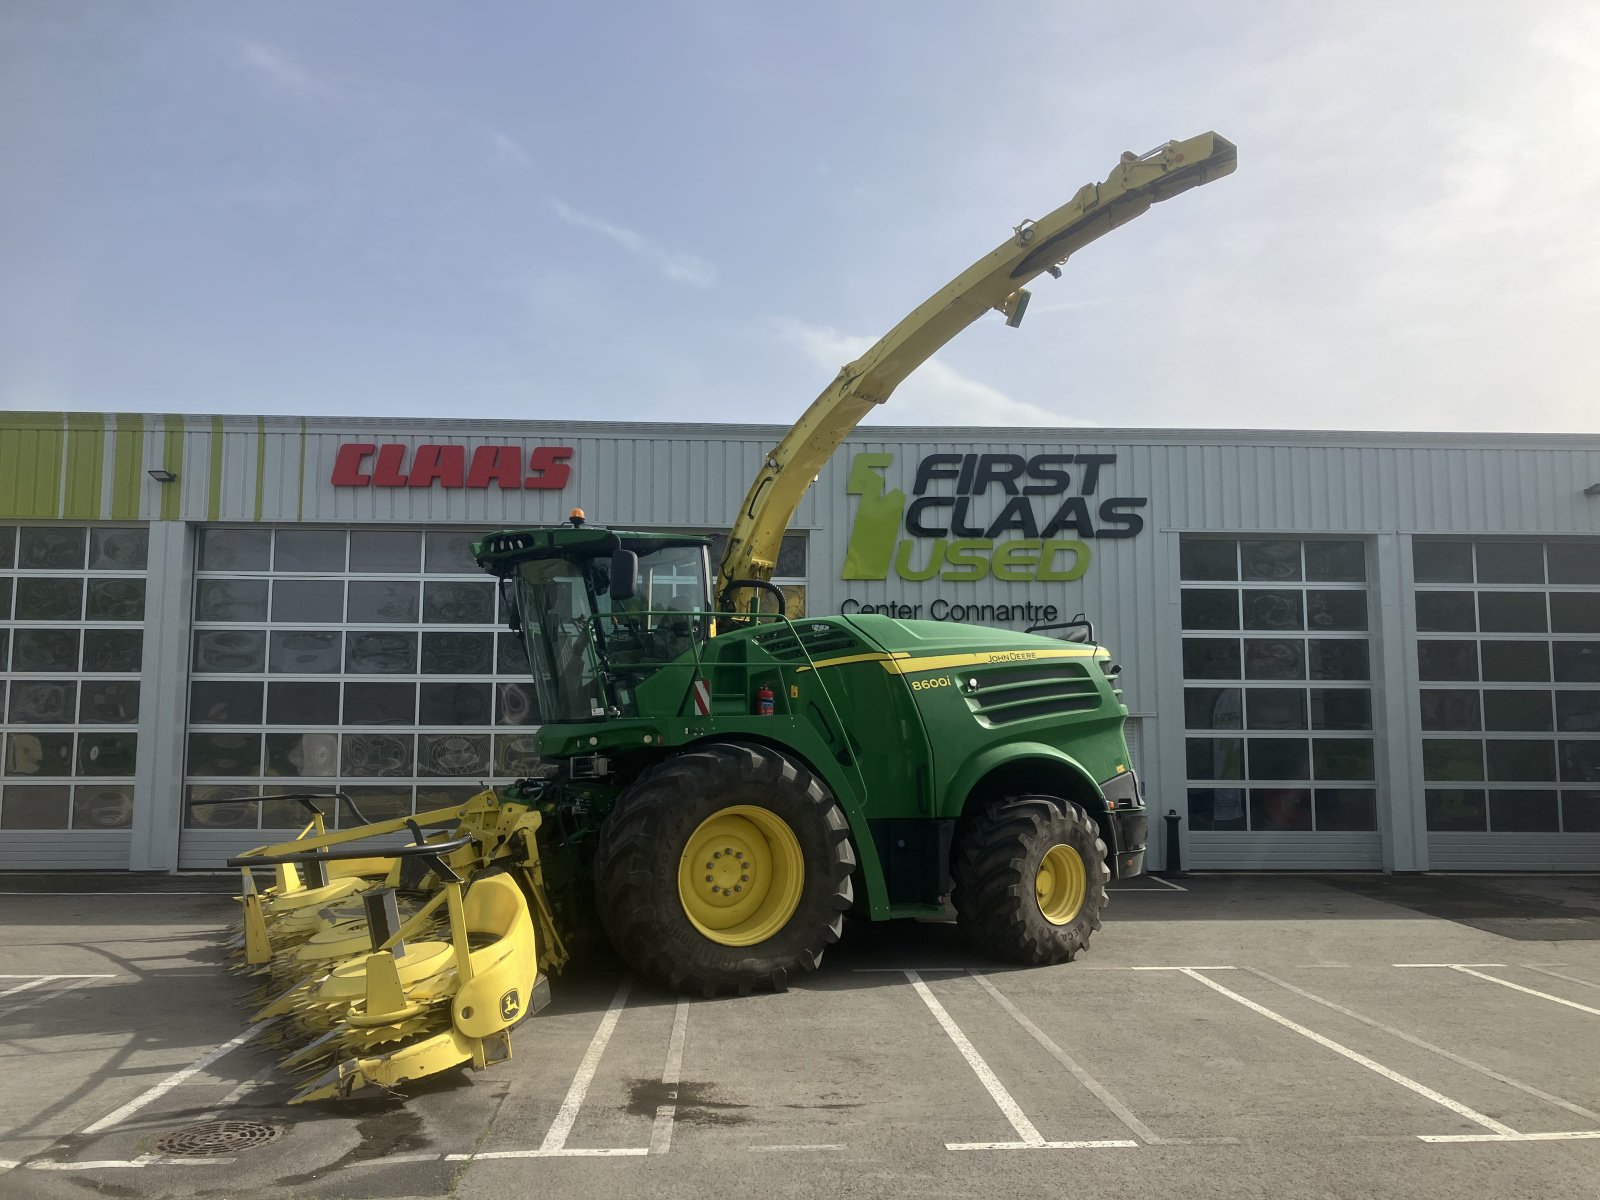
{"points": [[721, 785]]}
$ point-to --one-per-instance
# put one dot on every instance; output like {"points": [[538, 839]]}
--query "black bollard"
{"points": [[1174, 862]]}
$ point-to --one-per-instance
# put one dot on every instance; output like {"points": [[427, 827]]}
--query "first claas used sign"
{"points": [[395, 465]]}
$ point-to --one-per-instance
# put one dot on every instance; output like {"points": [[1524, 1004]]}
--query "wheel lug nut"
{"points": [[708, 878], [737, 888], [716, 854], [744, 879], [708, 866], [740, 854]]}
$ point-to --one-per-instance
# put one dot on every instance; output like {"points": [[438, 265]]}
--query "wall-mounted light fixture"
{"points": [[161, 475]]}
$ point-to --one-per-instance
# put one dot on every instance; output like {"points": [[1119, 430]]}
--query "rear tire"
{"points": [[658, 908], [1020, 859]]}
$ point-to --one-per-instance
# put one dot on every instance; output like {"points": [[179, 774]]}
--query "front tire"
{"points": [[1030, 879], [724, 868]]}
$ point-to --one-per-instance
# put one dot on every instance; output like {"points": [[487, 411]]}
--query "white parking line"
{"points": [[1588, 983], [1119, 1110], [1517, 987], [561, 1127], [144, 1160], [1421, 1089], [32, 983], [1167, 883], [1576, 1109], [624, 1152], [661, 1131], [1032, 1139], [171, 1081], [66, 983], [1579, 1135]]}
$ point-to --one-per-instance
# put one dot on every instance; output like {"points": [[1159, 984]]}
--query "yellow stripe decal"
{"points": [[875, 656], [939, 662]]}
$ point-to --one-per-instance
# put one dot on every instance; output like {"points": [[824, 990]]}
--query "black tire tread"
{"points": [[654, 936], [996, 854]]}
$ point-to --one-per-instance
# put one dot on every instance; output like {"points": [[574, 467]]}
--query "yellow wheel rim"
{"points": [[1061, 884], [741, 875]]}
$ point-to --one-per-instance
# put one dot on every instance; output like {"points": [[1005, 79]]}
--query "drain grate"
{"points": [[216, 1137]]}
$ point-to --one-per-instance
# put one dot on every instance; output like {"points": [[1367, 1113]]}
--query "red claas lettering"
{"points": [[393, 465]]}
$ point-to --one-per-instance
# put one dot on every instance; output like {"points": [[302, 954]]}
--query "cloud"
{"points": [[279, 68], [688, 269], [934, 394], [508, 152]]}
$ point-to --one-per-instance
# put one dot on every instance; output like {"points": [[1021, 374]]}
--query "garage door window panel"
{"points": [[1457, 810], [1524, 811], [320, 652]]}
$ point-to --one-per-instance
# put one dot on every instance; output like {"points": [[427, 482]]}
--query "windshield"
{"points": [[555, 605], [588, 652]]}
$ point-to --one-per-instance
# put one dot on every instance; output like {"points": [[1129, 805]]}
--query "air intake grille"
{"points": [[1019, 693], [817, 641]]}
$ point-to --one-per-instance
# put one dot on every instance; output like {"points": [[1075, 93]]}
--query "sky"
{"points": [[699, 211]]}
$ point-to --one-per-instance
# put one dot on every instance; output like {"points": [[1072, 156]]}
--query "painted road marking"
{"points": [[1421, 1089], [1167, 883], [555, 1141], [32, 983], [1588, 983], [562, 1153], [67, 983], [1167, 968], [171, 1081], [1576, 1109], [1579, 1135], [1119, 1110], [1517, 987], [561, 1127], [661, 1131], [1032, 1139]]}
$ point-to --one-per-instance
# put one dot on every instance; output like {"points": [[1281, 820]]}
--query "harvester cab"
{"points": [[602, 614]]}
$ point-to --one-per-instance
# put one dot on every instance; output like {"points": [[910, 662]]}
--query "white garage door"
{"points": [[71, 645], [367, 656], [1277, 669], [1508, 665]]}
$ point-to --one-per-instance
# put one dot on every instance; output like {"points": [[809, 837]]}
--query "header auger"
{"points": [[721, 784]]}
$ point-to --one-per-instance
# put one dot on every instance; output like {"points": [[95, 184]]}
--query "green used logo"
{"points": [[932, 536]]}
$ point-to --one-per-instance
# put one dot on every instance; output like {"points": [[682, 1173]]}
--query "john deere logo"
{"points": [[510, 1005], [933, 537]]}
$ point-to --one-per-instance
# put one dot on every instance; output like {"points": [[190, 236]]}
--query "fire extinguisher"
{"points": [[764, 704]]}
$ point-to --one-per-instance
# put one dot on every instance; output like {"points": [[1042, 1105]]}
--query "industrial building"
{"points": [[1339, 650]]}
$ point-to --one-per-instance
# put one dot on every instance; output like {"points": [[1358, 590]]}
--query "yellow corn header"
{"points": [[386, 952]]}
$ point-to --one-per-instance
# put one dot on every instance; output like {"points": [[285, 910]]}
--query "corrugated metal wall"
{"points": [[247, 469]]}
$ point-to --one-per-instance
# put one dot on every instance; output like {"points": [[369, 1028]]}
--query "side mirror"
{"points": [[624, 574], [508, 596]]}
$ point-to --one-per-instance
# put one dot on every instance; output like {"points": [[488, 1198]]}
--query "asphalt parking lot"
{"points": [[1284, 1036]]}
